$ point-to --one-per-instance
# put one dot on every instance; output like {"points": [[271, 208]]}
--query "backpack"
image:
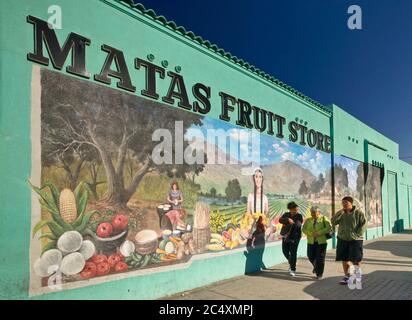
{"points": [[330, 234]]}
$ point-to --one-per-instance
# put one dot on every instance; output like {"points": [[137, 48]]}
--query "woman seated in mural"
{"points": [[174, 219], [257, 205], [175, 197]]}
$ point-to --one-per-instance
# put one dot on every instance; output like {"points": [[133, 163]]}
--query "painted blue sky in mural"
{"points": [[272, 149]]}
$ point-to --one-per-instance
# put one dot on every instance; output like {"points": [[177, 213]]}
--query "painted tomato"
{"points": [[120, 267], [104, 230], [120, 221], [113, 260], [121, 257], [89, 270], [103, 268], [99, 258]]}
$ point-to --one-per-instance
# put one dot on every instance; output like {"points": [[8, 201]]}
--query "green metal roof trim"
{"points": [[179, 29]]}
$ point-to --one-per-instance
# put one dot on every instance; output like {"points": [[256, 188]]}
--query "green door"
{"points": [[392, 206]]}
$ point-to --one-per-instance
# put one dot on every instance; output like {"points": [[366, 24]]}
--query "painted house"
{"points": [[136, 156]]}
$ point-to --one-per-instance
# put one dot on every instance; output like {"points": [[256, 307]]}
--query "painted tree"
{"points": [[59, 152], [303, 188], [360, 181], [233, 190], [341, 178], [118, 126]]}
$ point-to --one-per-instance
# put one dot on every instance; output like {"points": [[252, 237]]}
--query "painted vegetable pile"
{"points": [[229, 239], [67, 211], [150, 250], [70, 249], [118, 225], [82, 246], [78, 245], [236, 234], [69, 257], [100, 265]]}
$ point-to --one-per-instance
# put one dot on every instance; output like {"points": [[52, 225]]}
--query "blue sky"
{"points": [[269, 148], [308, 45]]}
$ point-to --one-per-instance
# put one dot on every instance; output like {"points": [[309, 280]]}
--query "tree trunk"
{"points": [[116, 193], [73, 176], [93, 171], [138, 177]]}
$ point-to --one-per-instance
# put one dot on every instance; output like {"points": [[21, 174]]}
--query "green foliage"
{"points": [[213, 192], [217, 222], [233, 190], [303, 188], [50, 202]]}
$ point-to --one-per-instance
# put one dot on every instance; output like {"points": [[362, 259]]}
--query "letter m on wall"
{"points": [[43, 33]]}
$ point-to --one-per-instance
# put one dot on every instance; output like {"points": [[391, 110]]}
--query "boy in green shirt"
{"points": [[352, 226]]}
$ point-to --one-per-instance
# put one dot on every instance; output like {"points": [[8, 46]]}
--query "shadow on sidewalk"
{"points": [[380, 285], [397, 248], [284, 275]]}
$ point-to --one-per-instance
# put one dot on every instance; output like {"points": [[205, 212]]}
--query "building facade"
{"points": [[135, 156]]}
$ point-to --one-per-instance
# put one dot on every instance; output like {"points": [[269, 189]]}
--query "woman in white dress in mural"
{"points": [[257, 205], [257, 202]]}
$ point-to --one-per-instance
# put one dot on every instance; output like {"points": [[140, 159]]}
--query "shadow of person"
{"points": [[397, 248], [378, 285], [254, 255]]}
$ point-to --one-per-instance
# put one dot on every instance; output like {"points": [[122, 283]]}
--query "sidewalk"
{"points": [[387, 269]]}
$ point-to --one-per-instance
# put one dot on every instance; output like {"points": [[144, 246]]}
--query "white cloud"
{"points": [[278, 148], [303, 157], [240, 134], [288, 156], [284, 143]]}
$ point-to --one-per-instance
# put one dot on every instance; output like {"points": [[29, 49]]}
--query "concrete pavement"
{"points": [[387, 269]]}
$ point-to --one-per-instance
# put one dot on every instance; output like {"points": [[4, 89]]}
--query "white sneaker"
{"points": [[352, 282], [351, 270], [358, 284], [292, 273]]}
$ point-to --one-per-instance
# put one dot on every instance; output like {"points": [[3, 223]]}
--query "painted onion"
{"points": [[127, 248], [43, 266], [72, 264], [70, 241], [87, 249]]}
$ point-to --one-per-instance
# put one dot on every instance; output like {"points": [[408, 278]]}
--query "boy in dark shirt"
{"points": [[291, 233]]}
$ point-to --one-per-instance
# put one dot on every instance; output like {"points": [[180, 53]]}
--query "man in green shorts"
{"points": [[352, 226]]}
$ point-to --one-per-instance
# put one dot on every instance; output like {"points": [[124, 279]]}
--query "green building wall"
{"points": [[139, 34]]}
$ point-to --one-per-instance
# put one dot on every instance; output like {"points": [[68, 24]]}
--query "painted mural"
{"points": [[363, 182], [108, 206]]}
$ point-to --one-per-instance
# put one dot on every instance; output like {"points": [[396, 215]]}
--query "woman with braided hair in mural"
{"points": [[257, 205]]}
